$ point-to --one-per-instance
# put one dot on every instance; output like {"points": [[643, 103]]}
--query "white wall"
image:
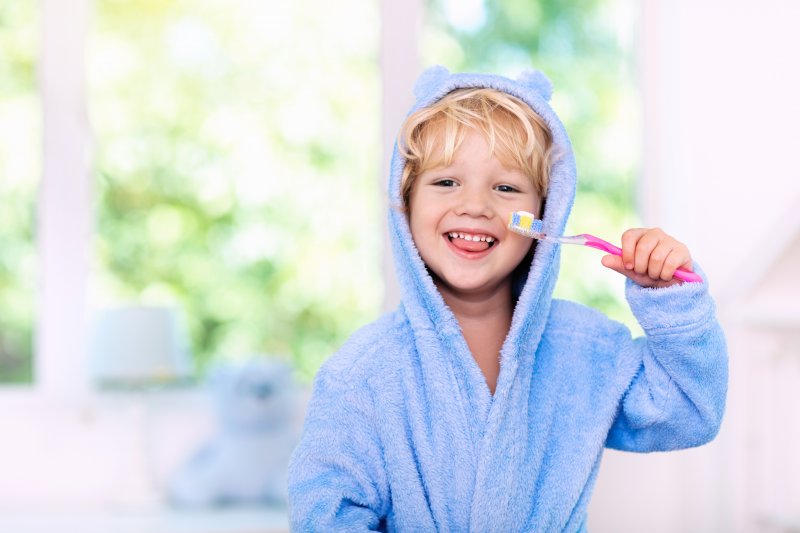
{"points": [[720, 80]]}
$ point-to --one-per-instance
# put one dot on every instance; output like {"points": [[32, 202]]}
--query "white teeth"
{"points": [[469, 237]]}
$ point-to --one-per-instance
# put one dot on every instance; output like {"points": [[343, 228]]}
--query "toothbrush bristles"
{"points": [[526, 224]]}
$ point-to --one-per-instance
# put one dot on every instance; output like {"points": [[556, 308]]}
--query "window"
{"points": [[234, 173], [236, 169]]}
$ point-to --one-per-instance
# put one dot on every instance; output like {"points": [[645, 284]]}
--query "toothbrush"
{"points": [[528, 225]]}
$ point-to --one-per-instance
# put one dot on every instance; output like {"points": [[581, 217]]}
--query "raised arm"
{"points": [[677, 396]]}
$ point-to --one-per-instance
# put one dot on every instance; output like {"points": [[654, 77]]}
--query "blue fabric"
{"points": [[403, 434]]}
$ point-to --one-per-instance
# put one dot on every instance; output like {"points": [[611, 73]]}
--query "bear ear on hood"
{"points": [[537, 81], [429, 81]]}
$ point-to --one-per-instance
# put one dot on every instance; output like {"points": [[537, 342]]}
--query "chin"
{"points": [[468, 287]]}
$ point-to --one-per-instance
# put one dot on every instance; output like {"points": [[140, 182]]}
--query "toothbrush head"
{"points": [[526, 224]]}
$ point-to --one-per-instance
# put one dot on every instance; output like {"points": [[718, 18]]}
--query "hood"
{"points": [[421, 301]]}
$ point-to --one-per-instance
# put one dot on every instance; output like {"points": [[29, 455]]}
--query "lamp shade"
{"points": [[137, 346]]}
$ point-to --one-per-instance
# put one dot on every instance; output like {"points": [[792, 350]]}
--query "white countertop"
{"points": [[155, 520]]}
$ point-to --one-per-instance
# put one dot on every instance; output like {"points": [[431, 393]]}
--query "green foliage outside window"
{"points": [[236, 169], [19, 172], [584, 46]]}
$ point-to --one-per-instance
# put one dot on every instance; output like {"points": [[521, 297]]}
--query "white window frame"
{"points": [[63, 208]]}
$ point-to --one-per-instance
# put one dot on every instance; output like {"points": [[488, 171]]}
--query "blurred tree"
{"points": [[20, 142], [236, 160], [585, 47]]}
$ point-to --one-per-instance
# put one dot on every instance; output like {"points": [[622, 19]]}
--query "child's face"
{"points": [[458, 217]]}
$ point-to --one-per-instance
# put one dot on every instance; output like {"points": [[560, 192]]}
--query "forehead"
{"points": [[467, 142]]}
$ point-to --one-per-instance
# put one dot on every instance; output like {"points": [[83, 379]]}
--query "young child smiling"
{"points": [[458, 209], [482, 403]]}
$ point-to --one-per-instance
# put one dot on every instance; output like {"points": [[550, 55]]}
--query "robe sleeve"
{"points": [[676, 398], [337, 479]]}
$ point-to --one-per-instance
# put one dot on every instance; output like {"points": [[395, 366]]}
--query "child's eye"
{"points": [[447, 182], [506, 188]]}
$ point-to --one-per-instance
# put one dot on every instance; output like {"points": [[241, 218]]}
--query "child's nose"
{"points": [[475, 204]]}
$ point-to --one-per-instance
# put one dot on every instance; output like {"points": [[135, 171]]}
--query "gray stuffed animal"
{"points": [[246, 461]]}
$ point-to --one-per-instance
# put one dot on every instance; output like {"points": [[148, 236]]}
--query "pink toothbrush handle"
{"points": [[600, 244]]}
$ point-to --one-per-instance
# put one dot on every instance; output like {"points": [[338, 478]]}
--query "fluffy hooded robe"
{"points": [[403, 433]]}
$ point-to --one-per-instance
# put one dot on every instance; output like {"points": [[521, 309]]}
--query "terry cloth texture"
{"points": [[403, 434]]}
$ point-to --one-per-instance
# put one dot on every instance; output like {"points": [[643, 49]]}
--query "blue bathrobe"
{"points": [[403, 433]]}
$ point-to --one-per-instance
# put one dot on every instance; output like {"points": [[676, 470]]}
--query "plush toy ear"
{"points": [[429, 80], [537, 81]]}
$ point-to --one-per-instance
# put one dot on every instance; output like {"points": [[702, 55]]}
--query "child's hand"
{"points": [[650, 257]]}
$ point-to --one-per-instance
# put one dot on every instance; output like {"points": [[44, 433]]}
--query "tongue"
{"points": [[470, 246]]}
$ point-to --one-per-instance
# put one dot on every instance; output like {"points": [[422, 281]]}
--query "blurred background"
{"points": [[206, 180]]}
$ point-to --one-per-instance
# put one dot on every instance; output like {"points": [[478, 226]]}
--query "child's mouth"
{"points": [[471, 242]]}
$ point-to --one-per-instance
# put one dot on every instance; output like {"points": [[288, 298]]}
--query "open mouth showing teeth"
{"points": [[453, 236]]}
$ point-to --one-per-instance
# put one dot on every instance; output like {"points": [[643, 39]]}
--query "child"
{"points": [[481, 403]]}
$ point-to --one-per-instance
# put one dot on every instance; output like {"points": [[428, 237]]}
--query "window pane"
{"points": [[236, 169], [586, 49], [20, 154]]}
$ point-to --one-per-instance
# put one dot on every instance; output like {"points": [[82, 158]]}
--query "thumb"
{"points": [[614, 262]]}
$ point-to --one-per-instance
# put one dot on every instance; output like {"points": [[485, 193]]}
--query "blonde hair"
{"points": [[516, 135]]}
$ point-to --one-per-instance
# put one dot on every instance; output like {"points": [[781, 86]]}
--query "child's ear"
{"points": [[429, 81], [536, 80]]}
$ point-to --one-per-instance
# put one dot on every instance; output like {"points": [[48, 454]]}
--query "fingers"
{"points": [[644, 249], [650, 254], [615, 263], [629, 240], [659, 255], [675, 261]]}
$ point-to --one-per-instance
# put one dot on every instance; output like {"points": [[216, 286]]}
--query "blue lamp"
{"points": [[139, 346]]}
